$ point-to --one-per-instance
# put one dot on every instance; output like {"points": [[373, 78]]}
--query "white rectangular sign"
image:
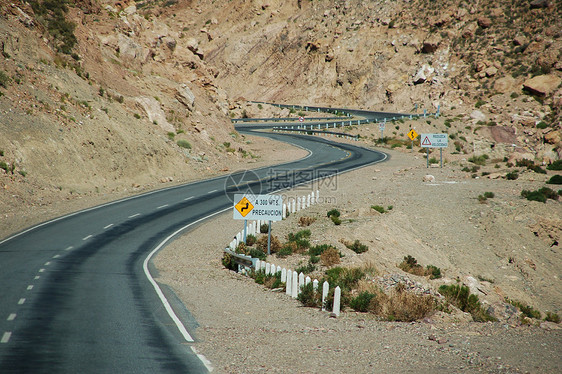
{"points": [[434, 140], [254, 207]]}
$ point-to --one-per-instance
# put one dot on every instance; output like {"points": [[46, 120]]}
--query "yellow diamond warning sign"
{"points": [[412, 134], [244, 206]]}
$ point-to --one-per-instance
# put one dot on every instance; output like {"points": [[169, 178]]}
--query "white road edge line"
{"points": [[108, 226], [189, 198], [6, 337], [134, 215], [87, 237], [159, 292], [215, 191], [162, 206]]}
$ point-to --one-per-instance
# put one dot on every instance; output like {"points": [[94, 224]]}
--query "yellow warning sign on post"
{"points": [[412, 134], [244, 206]]}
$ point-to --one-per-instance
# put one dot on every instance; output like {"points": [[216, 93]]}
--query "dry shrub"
{"points": [[306, 221], [407, 306], [330, 256], [261, 244]]}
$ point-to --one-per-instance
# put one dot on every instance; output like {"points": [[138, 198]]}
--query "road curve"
{"points": [[77, 293]]}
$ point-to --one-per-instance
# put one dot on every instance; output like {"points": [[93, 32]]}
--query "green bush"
{"points": [[549, 193], [479, 103], [317, 250], [357, 247], [534, 196], [52, 14], [333, 212], [552, 317], [336, 220], [346, 278], [306, 269], [459, 295], [256, 253], [433, 271], [183, 144], [512, 176], [378, 208], [489, 195], [555, 179], [479, 160], [528, 311], [228, 262], [525, 163], [362, 301], [4, 79], [310, 297], [264, 228], [250, 240], [556, 165]]}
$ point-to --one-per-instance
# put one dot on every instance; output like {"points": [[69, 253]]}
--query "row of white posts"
{"points": [[292, 205], [294, 283]]}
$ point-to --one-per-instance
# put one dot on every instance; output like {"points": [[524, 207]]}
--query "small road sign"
{"points": [[301, 119], [254, 207], [434, 141], [381, 126], [244, 207], [412, 134]]}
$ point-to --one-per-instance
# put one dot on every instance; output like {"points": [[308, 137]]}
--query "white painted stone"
{"points": [[337, 297], [315, 284], [258, 264], [284, 275], [267, 268], [289, 283], [278, 269], [294, 285], [325, 289], [263, 265], [307, 280], [301, 282]]}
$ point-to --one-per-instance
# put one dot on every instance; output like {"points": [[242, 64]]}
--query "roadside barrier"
{"points": [[294, 282]]}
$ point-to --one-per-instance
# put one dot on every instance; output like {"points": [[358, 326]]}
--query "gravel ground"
{"points": [[244, 328]]}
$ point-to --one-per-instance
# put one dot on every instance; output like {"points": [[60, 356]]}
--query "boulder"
{"points": [[491, 71], [484, 22], [553, 137], [423, 74], [185, 96], [542, 85], [431, 44], [504, 84], [478, 115], [520, 40], [155, 113], [429, 178], [539, 4]]}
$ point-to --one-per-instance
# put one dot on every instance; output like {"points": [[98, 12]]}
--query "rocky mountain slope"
{"points": [[105, 96]]}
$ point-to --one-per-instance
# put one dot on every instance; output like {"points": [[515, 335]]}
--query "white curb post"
{"points": [[317, 196], [278, 269], [325, 289], [337, 296], [315, 285], [307, 280], [289, 283], [312, 201], [294, 285], [284, 275], [258, 265], [301, 282], [284, 211], [267, 268], [293, 206], [308, 201]]}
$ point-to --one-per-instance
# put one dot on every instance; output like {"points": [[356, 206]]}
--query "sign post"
{"points": [[434, 141], [258, 207], [381, 127]]}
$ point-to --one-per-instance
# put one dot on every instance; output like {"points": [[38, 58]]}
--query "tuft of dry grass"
{"points": [[306, 221], [407, 306], [330, 257]]}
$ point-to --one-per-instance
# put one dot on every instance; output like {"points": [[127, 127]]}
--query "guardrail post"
{"points": [[289, 283], [294, 285], [325, 289], [337, 296]]}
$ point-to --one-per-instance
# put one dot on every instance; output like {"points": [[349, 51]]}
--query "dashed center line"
{"points": [[30, 287], [41, 270], [87, 237], [188, 198], [56, 256], [47, 263], [6, 337], [212, 191], [21, 301], [162, 206], [37, 277], [69, 248], [134, 215], [12, 317], [108, 226]]}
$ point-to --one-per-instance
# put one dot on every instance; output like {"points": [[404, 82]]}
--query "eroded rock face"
{"points": [[155, 113], [543, 84]]}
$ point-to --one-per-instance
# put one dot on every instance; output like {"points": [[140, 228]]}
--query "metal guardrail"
{"points": [[282, 119], [310, 132], [243, 260]]}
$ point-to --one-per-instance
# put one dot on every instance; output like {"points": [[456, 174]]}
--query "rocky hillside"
{"points": [[105, 96]]}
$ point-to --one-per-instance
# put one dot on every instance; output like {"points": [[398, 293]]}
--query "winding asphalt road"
{"points": [[77, 293]]}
